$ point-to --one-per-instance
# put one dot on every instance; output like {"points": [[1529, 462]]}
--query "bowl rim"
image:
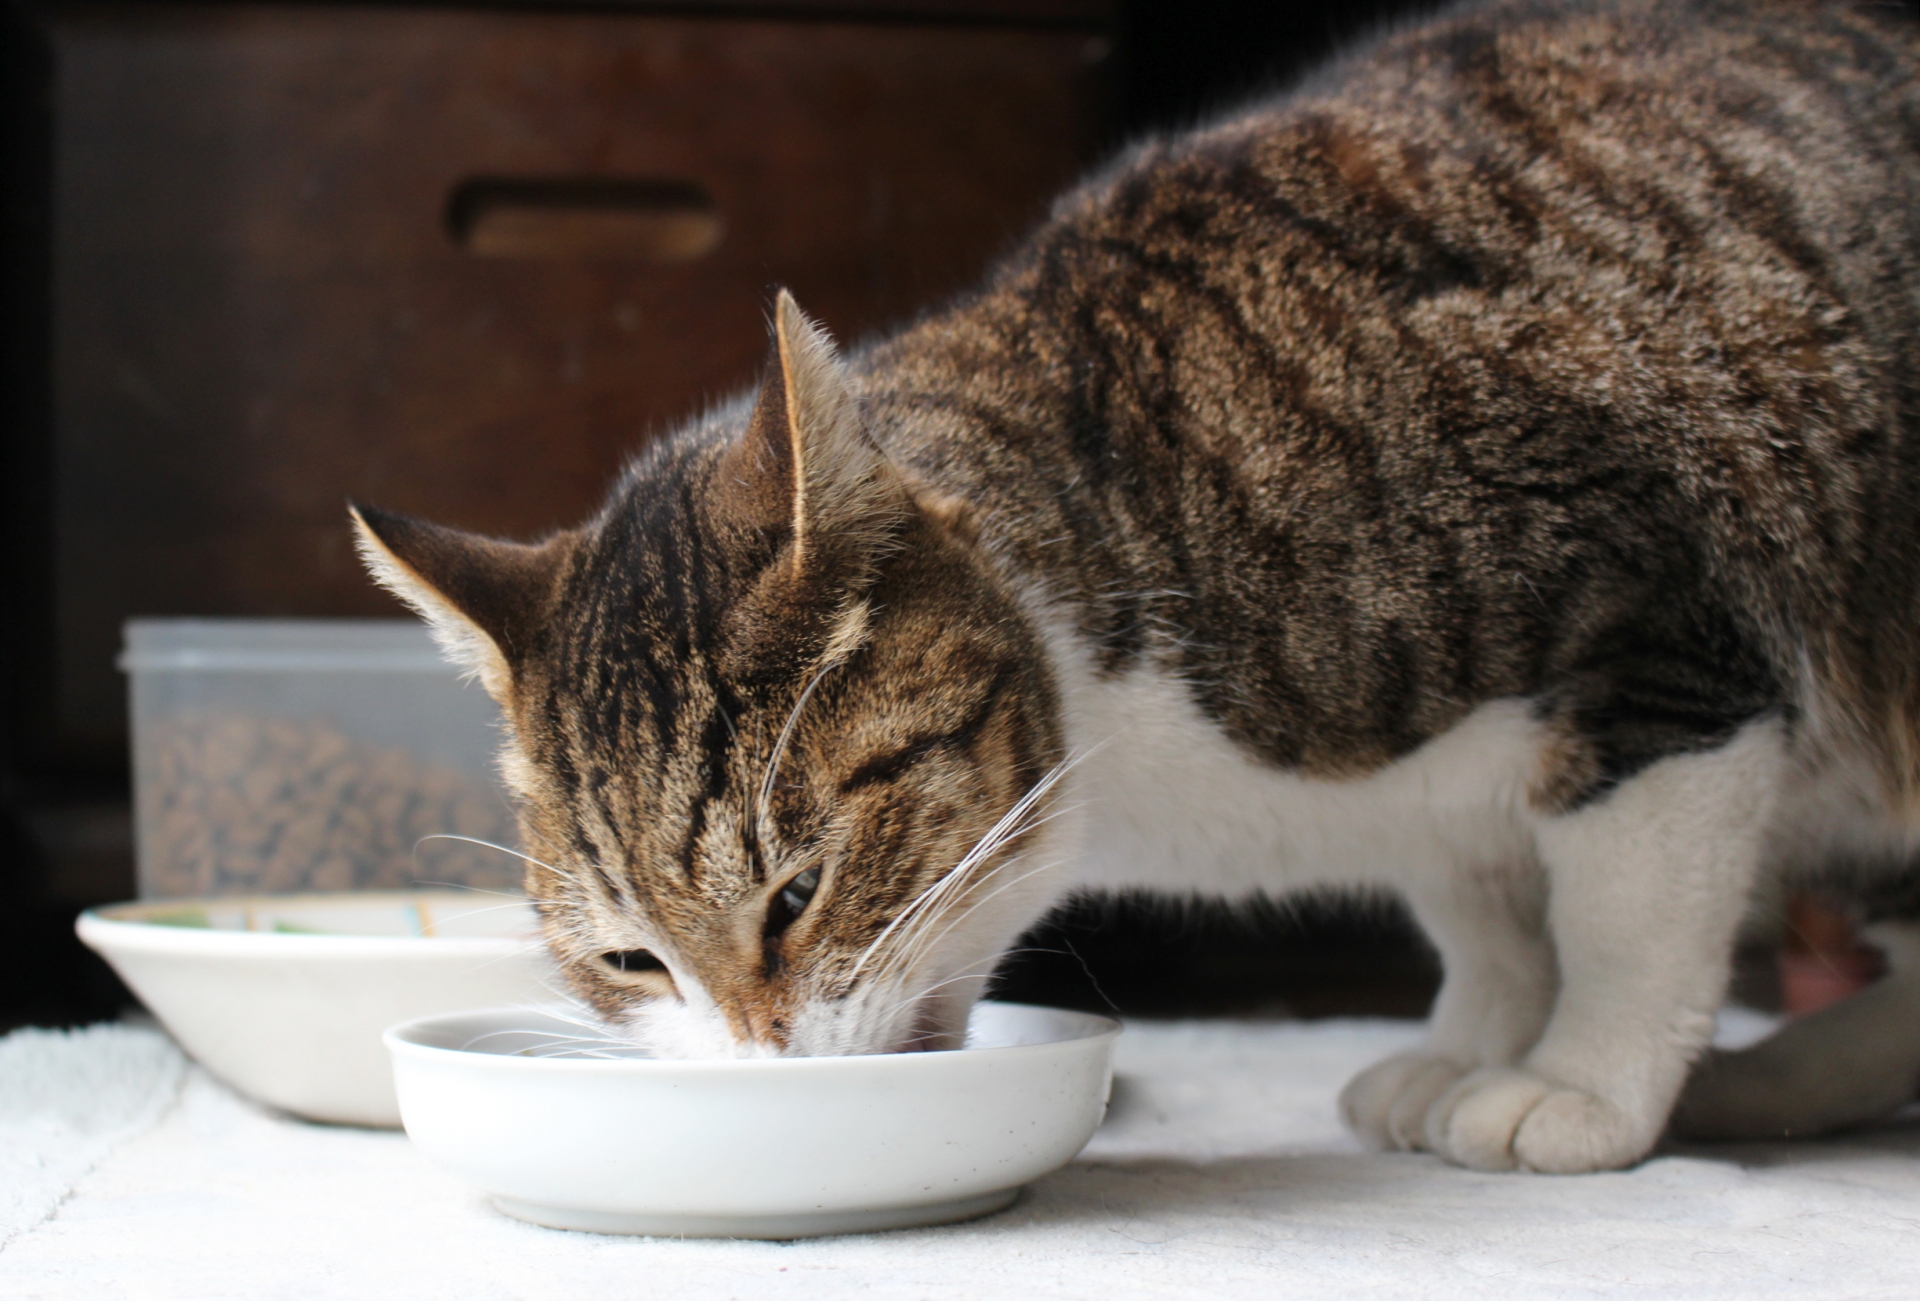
{"points": [[99, 927], [1096, 1029]]}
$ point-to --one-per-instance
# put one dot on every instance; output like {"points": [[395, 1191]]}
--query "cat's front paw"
{"points": [[1386, 1105], [1507, 1119]]}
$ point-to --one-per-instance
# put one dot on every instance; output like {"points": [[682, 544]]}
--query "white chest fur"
{"points": [[1168, 802]]}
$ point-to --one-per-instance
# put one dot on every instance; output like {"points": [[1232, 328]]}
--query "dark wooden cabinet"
{"points": [[463, 262]]}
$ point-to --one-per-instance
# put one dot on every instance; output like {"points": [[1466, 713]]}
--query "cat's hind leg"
{"points": [[1855, 1061], [1646, 888], [1497, 988]]}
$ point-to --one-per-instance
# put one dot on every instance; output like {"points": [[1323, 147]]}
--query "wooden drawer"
{"points": [[462, 263]]}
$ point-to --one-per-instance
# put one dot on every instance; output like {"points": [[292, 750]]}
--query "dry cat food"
{"points": [[243, 802]]}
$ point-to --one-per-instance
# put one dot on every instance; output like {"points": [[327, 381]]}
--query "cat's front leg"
{"points": [[1497, 988], [1647, 885]]}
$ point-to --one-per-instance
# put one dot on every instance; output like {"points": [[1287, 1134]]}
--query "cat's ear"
{"points": [[485, 600], [806, 464]]}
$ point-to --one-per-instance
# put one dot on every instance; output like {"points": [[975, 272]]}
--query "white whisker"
{"points": [[763, 805], [929, 903], [598, 1026], [999, 890], [984, 848], [912, 942], [972, 972], [543, 1034], [464, 888], [488, 844], [936, 903]]}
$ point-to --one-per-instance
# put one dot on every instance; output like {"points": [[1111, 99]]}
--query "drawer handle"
{"points": [[585, 218]]}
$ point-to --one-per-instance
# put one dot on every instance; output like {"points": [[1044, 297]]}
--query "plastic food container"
{"points": [[293, 755]]}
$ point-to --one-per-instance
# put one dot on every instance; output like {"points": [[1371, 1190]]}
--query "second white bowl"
{"points": [[784, 1147], [284, 997]]}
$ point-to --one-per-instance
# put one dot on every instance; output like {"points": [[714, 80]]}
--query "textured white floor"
{"points": [[1221, 1174]]}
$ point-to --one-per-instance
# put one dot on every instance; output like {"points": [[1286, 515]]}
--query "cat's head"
{"points": [[782, 740]]}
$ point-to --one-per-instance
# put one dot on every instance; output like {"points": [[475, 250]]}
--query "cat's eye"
{"points": [[632, 961], [798, 892], [792, 900]]}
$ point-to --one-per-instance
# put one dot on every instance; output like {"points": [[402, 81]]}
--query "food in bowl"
{"points": [[285, 997], [568, 1126]]}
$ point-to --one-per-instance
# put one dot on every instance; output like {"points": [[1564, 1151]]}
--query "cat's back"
{"points": [[1638, 183], [1527, 329]]}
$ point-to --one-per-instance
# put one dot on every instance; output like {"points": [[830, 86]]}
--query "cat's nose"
{"points": [[759, 1023]]}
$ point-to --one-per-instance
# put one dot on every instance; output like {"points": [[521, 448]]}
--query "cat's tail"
{"points": [[1856, 1061]]}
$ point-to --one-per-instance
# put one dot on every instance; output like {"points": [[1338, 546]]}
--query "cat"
{"points": [[1488, 472]]}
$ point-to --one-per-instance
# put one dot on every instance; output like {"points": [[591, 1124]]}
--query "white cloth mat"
{"points": [[1221, 1173], [67, 1099]]}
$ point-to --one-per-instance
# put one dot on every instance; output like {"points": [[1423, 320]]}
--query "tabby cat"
{"points": [[1489, 472]]}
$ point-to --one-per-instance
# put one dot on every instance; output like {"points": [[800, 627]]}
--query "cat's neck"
{"points": [[981, 406]]}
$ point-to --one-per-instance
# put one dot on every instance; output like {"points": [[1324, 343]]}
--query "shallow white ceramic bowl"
{"points": [[784, 1147], [284, 997]]}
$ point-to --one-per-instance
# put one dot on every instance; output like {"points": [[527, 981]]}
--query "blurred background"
{"points": [[460, 261]]}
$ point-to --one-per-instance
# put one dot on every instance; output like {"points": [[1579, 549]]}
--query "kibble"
{"points": [[239, 802]]}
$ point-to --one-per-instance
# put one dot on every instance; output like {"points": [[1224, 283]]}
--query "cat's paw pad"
{"points": [[1386, 1105], [1511, 1119]]}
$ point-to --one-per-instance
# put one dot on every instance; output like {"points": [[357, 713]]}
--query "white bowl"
{"points": [[786, 1147], [285, 997]]}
